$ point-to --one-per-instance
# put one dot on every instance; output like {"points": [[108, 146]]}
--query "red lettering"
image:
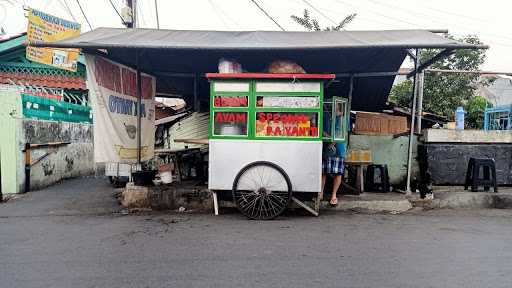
{"points": [[240, 117], [216, 102], [269, 116], [302, 131], [288, 131], [261, 117], [277, 131], [313, 131], [218, 117], [294, 131]]}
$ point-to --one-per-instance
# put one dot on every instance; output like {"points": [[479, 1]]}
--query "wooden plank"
{"points": [[192, 141], [379, 124]]}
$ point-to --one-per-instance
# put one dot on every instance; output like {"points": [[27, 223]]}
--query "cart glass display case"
{"points": [[266, 109]]}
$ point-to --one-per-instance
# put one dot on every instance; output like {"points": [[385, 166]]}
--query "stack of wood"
{"points": [[369, 123]]}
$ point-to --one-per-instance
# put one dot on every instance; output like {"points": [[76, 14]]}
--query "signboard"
{"points": [[113, 95], [44, 27]]}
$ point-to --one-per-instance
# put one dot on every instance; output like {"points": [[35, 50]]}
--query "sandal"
{"points": [[334, 202]]}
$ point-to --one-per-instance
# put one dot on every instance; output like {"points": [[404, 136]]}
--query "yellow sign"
{"points": [[44, 27]]}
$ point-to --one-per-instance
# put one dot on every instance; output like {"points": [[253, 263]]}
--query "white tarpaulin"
{"points": [[113, 94]]}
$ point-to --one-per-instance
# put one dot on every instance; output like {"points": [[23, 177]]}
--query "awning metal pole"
{"points": [[350, 93], [421, 82], [413, 117], [139, 104], [196, 100]]}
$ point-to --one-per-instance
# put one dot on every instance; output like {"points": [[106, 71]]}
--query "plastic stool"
{"points": [[488, 166], [383, 184]]}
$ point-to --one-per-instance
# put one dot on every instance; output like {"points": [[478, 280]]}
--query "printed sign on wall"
{"points": [[113, 94], [44, 27]]}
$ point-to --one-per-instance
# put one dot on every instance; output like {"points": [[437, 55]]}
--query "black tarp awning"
{"points": [[163, 52]]}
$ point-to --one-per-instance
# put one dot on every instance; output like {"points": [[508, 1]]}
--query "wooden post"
{"points": [[139, 119], [27, 167], [412, 127]]}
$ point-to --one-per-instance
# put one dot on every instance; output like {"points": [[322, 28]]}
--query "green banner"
{"points": [[50, 109]]}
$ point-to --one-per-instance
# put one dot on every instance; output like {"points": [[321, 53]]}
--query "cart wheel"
{"points": [[262, 190]]}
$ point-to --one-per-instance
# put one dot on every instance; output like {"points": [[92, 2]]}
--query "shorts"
{"points": [[333, 165]]}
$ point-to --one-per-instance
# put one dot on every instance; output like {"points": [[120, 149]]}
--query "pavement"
{"points": [[71, 235]]}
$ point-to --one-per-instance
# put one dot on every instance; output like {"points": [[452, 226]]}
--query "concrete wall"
{"points": [[66, 161], [10, 113], [388, 150], [466, 136], [72, 160]]}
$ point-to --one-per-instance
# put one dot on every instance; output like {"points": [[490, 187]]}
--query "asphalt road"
{"points": [[52, 243]]}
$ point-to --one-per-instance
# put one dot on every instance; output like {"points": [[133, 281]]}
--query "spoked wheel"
{"points": [[262, 190]]}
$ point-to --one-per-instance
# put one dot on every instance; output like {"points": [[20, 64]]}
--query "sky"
{"points": [[490, 20]]}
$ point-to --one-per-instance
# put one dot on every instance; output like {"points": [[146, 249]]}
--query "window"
{"points": [[335, 120], [340, 119], [288, 101], [230, 124], [286, 124], [266, 110], [231, 101]]}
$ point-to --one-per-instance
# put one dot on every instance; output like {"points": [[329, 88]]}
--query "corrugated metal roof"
{"points": [[193, 127]]}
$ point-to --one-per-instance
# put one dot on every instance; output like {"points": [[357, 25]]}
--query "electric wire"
{"points": [[69, 10], [380, 14], [266, 14], [228, 17], [417, 26], [387, 5], [140, 12], [320, 12], [83, 13], [117, 12], [224, 23]]}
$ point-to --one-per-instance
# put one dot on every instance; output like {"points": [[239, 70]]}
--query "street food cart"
{"points": [[265, 139]]}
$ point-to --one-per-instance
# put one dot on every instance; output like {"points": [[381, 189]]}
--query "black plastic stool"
{"points": [[473, 179], [383, 184]]}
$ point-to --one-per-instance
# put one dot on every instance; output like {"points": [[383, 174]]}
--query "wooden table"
{"points": [[176, 155], [359, 173]]}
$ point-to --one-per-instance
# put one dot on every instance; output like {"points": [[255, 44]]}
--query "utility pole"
{"points": [[132, 7], [156, 12]]}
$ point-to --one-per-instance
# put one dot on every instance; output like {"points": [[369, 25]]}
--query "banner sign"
{"points": [[113, 95], [43, 27]]}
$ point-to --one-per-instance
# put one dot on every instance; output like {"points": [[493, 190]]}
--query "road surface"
{"points": [[47, 241]]}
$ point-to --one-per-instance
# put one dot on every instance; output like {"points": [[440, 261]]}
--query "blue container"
{"points": [[459, 118]]}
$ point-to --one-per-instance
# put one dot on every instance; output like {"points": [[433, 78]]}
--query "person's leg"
{"points": [[336, 185], [324, 177]]}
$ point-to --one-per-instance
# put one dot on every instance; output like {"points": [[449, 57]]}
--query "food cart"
{"points": [[265, 139]]}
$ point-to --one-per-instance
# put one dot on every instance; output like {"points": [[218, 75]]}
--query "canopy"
{"points": [[165, 53], [255, 40]]}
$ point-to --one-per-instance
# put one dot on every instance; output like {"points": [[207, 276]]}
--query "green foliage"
{"points": [[475, 112], [401, 93], [443, 92], [311, 24]]}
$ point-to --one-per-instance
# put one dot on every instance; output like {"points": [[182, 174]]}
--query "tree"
{"points": [[443, 92], [475, 112], [311, 24]]}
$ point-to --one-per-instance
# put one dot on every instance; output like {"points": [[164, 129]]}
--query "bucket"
{"points": [[459, 118], [166, 177], [143, 178]]}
